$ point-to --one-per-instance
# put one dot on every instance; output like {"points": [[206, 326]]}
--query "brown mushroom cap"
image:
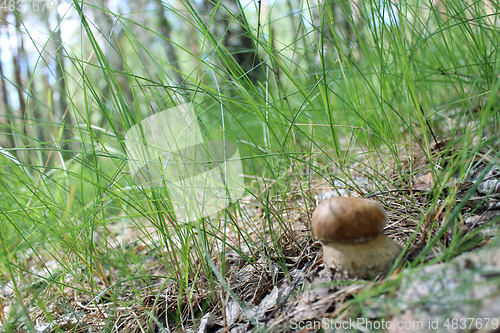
{"points": [[352, 232], [348, 220]]}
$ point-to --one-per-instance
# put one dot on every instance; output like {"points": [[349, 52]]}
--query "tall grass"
{"points": [[335, 103]]}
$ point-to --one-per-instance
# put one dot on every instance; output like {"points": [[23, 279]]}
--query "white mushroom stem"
{"points": [[364, 260]]}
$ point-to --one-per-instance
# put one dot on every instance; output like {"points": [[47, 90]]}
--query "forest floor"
{"points": [[461, 294]]}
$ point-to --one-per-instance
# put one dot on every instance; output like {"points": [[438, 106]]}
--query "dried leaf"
{"points": [[233, 312], [205, 322]]}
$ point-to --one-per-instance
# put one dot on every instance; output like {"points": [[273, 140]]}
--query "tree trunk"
{"points": [[343, 22], [62, 113], [6, 117], [6, 114], [32, 129], [19, 116], [112, 53], [333, 46], [230, 24], [138, 16], [167, 43]]}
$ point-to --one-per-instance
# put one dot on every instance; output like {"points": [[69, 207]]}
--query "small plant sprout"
{"points": [[352, 233]]}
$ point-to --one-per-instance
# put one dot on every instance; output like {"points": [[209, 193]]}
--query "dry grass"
{"points": [[279, 278]]}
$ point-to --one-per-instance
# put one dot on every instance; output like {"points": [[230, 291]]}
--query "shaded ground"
{"points": [[305, 297]]}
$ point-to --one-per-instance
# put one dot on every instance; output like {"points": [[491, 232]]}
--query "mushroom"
{"points": [[352, 233]]}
